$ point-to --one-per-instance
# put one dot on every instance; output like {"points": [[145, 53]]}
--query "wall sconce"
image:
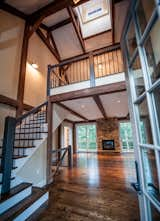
{"points": [[34, 65], [100, 66]]}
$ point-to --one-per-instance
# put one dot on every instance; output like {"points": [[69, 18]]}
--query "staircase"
{"points": [[22, 136]]}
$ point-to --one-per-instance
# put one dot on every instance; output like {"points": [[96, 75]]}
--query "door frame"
{"points": [[145, 200]]}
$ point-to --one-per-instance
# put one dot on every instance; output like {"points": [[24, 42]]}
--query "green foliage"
{"points": [[86, 135]]}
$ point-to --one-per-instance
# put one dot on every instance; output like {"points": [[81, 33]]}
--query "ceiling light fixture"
{"points": [[76, 1], [118, 101]]}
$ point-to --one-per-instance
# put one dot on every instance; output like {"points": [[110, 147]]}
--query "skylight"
{"points": [[94, 17]]}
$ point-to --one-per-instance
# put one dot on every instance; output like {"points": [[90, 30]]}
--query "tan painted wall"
{"points": [[36, 80], [5, 111], [11, 37], [120, 12]]}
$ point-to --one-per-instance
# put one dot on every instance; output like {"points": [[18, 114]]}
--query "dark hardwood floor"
{"points": [[97, 188]]}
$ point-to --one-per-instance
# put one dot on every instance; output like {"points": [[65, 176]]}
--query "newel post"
{"points": [[69, 156], [7, 153]]}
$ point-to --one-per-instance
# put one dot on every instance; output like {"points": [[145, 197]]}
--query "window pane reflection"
{"points": [[150, 171], [152, 48], [156, 95], [144, 12], [155, 213], [131, 39], [145, 127], [138, 76]]}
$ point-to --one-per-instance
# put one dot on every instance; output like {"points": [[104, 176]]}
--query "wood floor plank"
{"points": [[97, 188]]}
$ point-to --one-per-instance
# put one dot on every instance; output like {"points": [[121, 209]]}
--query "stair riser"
{"points": [[30, 136], [12, 175], [15, 199], [32, 125], [30, 210]]}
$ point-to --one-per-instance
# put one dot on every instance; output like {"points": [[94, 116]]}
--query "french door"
{"points": [[141, 52], [86, 137]]}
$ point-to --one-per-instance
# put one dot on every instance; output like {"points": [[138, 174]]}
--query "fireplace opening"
{"points": [[108, 144]]}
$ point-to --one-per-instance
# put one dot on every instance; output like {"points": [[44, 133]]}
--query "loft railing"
{"points": [[58, 157], [19, 134], [86, 67]]}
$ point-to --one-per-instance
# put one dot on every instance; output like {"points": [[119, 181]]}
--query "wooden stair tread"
{"points": [[31, 132], [15, 156], [24, 147], [16, 210], [28, 139], [12, 178], [15, 190], [13, 168]]}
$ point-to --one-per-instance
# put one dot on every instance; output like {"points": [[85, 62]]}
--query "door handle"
{"points": [[136, 186]]}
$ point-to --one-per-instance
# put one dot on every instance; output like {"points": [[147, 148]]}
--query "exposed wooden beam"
{"points": [[89, 92], [8, 8], [76, 27], [47, 43], [54, 44], [13, 103], [69, 121], [86, 55], [37, 17], [100, 105], [71, 111], [60, 24], [22, 72], [43, 26]]}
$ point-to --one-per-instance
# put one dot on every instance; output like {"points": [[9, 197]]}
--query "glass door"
{"points": [[141, 52], [86, 137], [126, 137]]}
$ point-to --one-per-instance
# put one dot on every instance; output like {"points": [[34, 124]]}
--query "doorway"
{"points": [[141, 52], [86, 137], [126, 136]]}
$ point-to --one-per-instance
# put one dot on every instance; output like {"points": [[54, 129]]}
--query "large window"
{"points": [[126, 136], [86, 137]]}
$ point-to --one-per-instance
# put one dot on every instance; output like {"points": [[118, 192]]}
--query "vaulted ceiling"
{"points": [[68, 24]]}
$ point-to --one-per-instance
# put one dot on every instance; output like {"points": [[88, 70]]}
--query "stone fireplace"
{"points": [[108, 130]]}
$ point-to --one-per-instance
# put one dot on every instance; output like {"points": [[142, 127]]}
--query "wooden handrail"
{"points": [[65, 149], [34, 110]]}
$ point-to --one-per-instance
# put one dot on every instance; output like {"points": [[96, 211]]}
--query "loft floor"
{"points": [[97, 188]]}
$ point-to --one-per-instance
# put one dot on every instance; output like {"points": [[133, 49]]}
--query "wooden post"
{"points": [[7, 153], [74, 138], [22, 72], [59, 142], [92, 73], [48, 80], [49, 141], [69, 156]]}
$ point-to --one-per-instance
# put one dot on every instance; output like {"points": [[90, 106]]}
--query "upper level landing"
{"points": [[102, 67]]}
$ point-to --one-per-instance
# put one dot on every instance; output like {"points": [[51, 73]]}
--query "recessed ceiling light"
{"points": [[82, 106], [34, 65], [118, 101]]}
